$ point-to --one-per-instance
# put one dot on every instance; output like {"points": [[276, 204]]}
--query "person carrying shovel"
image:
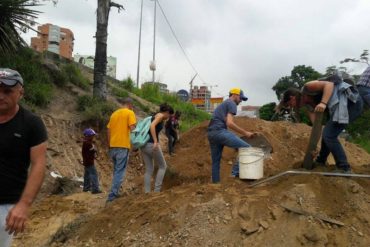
{"points": [[344, 105]]}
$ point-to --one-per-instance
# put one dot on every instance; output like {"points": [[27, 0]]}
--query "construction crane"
{"points": [[191, 87]]}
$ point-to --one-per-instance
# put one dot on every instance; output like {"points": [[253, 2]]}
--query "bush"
{"points": [[75, 76], [128, 84], [95, 110], [119, 93], [190, 115], [151, 93], [60, 78], [37, 81], [38, 93]]}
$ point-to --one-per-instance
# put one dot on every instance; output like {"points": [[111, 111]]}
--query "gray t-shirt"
{"points": [[218, 120]]}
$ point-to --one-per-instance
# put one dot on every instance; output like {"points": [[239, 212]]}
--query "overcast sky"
{"points": [[232, 43]]}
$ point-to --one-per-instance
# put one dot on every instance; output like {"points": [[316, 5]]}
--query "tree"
{"points": [[364, 58], [298, 77], [101, 35], [302, 74], [15, 17], [100, 64], [267, 111], [283, 84]]}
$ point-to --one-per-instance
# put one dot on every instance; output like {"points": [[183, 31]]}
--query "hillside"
{"points": [[190, 211]]}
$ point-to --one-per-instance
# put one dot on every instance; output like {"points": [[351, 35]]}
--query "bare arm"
{"points": [[158, 118], [230, 124], [326, 87], [17, 216], [132, 127]]}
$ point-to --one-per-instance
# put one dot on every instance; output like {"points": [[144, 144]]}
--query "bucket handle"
{"points": [[262, 157]]}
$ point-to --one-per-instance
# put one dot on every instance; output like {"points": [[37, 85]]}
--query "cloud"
{"points": [[245, 43]]}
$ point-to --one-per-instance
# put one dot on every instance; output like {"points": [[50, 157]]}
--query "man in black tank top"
{"points": [[23, 141]]}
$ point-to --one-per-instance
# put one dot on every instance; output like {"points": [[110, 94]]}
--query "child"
{"points": [[91, 181]]}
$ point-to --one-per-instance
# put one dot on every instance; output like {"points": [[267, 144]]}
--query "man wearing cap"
{"points": [[219, 136], [121, 123], [22, 142], [363, 86]]}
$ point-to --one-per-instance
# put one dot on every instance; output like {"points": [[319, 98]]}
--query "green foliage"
{"points": [[298, 77], [151, 93], [59, 78], [16, 17], [302, 74], [38, 93], [267, 111], [128, 84], [190, 116], [75, 76], [283, 84], [119, 93], [364, 58], [364, 142], [37, 81], [141, 106], [361, 126], [95, 110]]}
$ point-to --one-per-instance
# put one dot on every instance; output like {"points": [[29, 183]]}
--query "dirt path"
{"points": [[192, 212]]}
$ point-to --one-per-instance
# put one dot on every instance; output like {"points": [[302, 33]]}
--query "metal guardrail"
{"points": [[295, 172]]}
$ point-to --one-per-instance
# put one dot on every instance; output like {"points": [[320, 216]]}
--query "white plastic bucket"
{"points": [[251, 163]]}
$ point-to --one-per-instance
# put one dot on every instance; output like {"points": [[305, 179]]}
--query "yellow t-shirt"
{"points": [[119, 126]]}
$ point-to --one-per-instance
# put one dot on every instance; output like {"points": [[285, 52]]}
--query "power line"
{"points": [[178, 42]]}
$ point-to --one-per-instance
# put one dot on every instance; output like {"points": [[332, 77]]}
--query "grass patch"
{"points": [[95, 111], [75, 76], [120, 93], [38, 82], [190, 116]]}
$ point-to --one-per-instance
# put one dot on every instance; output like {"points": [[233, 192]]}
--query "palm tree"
{"points": [[100, 64], [16, 16]]}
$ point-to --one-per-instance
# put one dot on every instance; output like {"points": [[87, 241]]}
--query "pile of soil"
{"points": [[192, 212]]}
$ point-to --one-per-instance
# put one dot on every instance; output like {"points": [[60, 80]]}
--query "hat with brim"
{"points": [[10, 77], [239, 92]]}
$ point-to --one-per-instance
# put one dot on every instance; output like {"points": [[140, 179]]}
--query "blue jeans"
{"points": [[120, 160], [91, 180], [365, 94], [330, 142], [217, 140], [5, 238]]}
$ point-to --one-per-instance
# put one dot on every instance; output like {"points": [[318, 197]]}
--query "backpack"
{"points": [[140, 135]]}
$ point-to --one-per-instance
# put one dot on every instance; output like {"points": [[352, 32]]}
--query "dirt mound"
{"points": [[332, 211], [289, 142]]}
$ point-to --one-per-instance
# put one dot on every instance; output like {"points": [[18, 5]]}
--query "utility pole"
{"points": [[153, 67], [138, 56]]}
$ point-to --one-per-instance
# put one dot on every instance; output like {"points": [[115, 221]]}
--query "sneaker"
{"points": [[85, 190], [96, 192], [343, 170], [318, 164]]}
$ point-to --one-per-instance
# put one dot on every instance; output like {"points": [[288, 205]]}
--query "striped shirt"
{"points": [[365, 78]]}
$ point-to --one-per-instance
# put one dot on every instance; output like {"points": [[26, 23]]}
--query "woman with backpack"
{"points": [[152, 152]]}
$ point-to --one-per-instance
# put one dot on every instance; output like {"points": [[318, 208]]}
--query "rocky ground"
{"points": [[190, 211]]}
